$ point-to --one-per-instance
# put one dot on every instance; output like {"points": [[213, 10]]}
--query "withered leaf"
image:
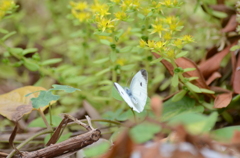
{"points": [[223, 100]]}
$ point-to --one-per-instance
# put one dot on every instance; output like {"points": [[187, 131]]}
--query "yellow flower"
{"points": [[158, 29], [167, 36], [116, 1], [173, 27], [142, 43], [187, 38], [178, 43], [121, 15], [169, 54], [151, 44], [5, 5], [130, 4], [104, 23], [100, 9], [79, 5], [121, 62], [81, 16], [168, 3], [145, 11], [159, 44]]}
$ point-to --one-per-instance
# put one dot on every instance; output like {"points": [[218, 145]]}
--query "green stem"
{"points": [[45, 120], [182, 79]]}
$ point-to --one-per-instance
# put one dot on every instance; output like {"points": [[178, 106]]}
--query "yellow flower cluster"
{"points": [[107, 17], [5, 6], [80, 11]]}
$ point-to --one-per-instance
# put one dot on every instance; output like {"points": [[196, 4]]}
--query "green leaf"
{"points": [[103, 71], [29, 50], [38, 122], [207, 91], [65, 88], [185, 105], [44, 98], [16, 52], [194, 122], [30, 64], [234, 48], [102, 33], [3, 31], [125, 115], [192, 87], [181, 54], [192, 78], [119, 33], [175, 80], [156, 61], [128, 67], [159, 78], [110, 115], [144, 132], [179, 95], [115, 94], [100, 61], [141, 16], [189, 69], [8, 35], [51, 61], [225, 133], [96, 150], [106, 42], [126, 49], [219, 14]]}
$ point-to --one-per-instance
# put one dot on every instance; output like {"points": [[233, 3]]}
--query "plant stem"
{"points": [[45, 120]]}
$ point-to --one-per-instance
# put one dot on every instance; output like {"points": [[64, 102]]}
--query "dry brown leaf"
{"points": [[165, 63], [231, 25], [219, 90], [212, 64], [214, 76], [222, 100], [156, 105], [236, 79], [236, 137], [186, 63], [92, 112], [233, 64], [14, 105], [122, 148]]}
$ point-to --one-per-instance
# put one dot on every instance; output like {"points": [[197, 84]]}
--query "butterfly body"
{"points": [[136, 95]]}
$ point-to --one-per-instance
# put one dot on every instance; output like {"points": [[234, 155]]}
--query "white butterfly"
{"points": [[136, 95]]}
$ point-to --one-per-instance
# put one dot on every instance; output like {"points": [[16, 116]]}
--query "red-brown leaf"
{"points": [[236, 79], [156, 105], [222, 100], [214, 76], [212, 64], [122, 148], [186, 63], [231, 25]]}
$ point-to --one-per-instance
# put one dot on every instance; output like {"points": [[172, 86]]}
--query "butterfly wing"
{"points": [[125, 96], [138, 88]]}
